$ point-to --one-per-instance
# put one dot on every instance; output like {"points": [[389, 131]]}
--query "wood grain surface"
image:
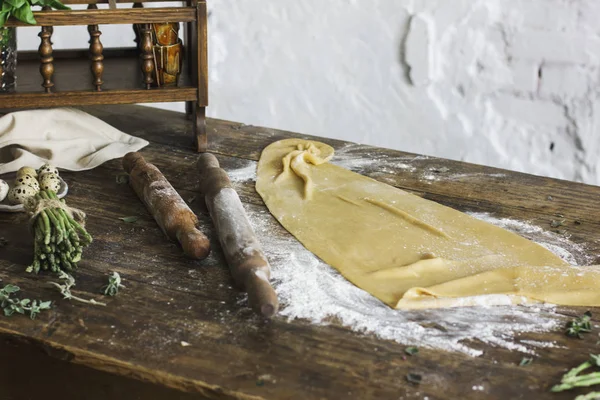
{"points": [[112, 17], [170, 298]]}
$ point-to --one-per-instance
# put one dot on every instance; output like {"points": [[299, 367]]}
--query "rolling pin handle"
{"points": [[131, 159], [261, 295], [194, 243], [206, 161]]}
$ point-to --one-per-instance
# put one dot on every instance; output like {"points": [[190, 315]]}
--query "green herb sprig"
{"points": [[114, 284], [65, 289], [589, 396], [411, 351], [580, 325], [12, 305], [21, 9]]}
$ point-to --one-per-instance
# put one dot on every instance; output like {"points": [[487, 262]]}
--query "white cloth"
{"points": [[66, 138]]}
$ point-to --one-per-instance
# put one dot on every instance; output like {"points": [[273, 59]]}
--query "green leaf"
{"points": [[129, 219], [45, 305], [411, 351], [58, 5], [25, 14], [25, 302], [589, 396], [4, 17], [16, 3], [525, 361], [8, 311], [10, 289]]}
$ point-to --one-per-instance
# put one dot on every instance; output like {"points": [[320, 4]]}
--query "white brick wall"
{"points": [[487, 81]]}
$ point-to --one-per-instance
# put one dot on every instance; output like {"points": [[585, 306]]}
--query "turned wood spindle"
{"points": [[50, 28], [147, 56], [96, 57], [45, 52]]}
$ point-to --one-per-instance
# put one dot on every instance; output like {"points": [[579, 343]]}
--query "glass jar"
{"points": [[8, 59]]}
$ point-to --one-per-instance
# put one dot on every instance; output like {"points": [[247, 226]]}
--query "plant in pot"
{"points": [[21, 10]]}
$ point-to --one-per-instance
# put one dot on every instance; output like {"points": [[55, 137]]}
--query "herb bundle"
{"points": [[58, 238], [21, 9]]}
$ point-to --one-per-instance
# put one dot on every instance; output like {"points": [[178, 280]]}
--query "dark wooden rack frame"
{"points": [[63, 78]]}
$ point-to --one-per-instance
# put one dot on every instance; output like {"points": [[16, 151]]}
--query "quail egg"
{"points": [[47, 169], [27, 171], [20, 193], [50, 182], [28, 180], [3, 189]]}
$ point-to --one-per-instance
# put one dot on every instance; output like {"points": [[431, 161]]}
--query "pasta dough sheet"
{"points": [[407, 251]]}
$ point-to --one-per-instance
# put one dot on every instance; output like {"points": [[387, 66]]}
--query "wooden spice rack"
{"points": [[63, 78]]}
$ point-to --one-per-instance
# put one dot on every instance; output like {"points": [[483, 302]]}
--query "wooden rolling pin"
{"points": [[246, 260], [169, 210]]}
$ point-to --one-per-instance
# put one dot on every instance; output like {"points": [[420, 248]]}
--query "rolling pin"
{"points": [[247, 262], [169, 210]]}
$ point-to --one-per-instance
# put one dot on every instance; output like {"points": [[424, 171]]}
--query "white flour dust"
{"points": [[311, 290], [243, 174], [382, 162]]}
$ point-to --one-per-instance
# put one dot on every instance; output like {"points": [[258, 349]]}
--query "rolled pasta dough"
{"points": [[407, 251]]}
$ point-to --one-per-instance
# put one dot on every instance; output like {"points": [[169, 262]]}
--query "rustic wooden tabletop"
{"points": [[170, 299]]}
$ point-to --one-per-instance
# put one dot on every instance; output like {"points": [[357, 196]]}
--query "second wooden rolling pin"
{"points": [[247, 262], [169, 210]]}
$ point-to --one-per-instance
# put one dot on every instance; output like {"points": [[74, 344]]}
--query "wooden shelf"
{"points": [[125, 76], [109, 17], [73, 82]]}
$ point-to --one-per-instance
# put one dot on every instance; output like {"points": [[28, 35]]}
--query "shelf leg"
{"points": [[147, 56], [96, 57], [200, 130], [190, 43], [46, 59]]}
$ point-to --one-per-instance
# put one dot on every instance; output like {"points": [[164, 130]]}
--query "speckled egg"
{"points": [[50, 182], [3, 189], [18, 194], [28, 180], [47, 169], [27, 171]]}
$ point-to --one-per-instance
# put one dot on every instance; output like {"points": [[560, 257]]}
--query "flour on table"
{"points": [[311, 290], [243, 174]]}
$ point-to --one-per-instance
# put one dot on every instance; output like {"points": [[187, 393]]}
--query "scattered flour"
{"points": [[243, 174], [310, 289]]}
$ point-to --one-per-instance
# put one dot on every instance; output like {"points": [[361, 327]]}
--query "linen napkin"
{"points": [[67, 138]]}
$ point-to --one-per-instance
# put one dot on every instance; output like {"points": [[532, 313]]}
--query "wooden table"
{"points": [[233, 354]]}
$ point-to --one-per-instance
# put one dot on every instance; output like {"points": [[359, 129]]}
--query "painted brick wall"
{"points": [[508, 83]]}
